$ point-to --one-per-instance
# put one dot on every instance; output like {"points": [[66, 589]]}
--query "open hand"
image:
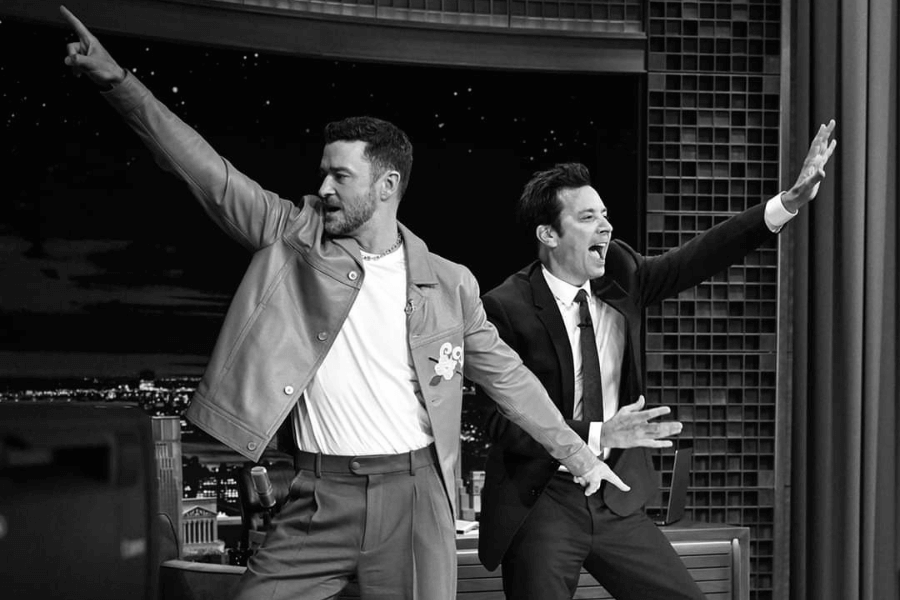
{"points": [[631, 427], [592, 479], [88, 57], [813, 170]]}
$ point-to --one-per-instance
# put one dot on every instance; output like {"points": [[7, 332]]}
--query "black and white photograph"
{"points": [[450, 299]]}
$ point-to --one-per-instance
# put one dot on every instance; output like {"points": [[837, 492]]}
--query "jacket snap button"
{"points": [[323, 335], [251, 446], [352, 275], [288, 389]]}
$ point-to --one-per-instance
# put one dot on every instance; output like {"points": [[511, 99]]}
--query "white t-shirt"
{"points": [[365, 399]]}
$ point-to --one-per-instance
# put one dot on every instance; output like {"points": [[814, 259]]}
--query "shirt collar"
{"points": [[564, 292]]}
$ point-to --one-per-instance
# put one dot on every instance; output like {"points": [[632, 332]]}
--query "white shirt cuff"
{"points": [[594, 438], [777, 216]]}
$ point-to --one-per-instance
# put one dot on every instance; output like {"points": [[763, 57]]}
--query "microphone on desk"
{"points": [[263, 487]]}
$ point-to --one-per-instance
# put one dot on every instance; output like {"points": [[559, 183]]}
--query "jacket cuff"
{"points": [[127, 95], [581, 462]]}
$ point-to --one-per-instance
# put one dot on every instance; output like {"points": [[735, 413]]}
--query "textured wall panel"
{"points": [[713, 135]]}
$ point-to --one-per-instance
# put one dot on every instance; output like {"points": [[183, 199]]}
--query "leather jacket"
{"points": [[296, 294]]}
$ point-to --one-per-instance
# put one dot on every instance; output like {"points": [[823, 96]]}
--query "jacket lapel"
{"points": [[420, 274], [548, 313]]}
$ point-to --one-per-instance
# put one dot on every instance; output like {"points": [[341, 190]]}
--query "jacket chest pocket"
{"points": [[439, 362]]}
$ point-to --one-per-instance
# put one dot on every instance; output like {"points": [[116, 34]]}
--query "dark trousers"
{"points": [[629, 556], [392, 532]]}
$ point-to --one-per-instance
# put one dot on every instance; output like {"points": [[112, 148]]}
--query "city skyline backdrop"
{"points": [[109, 267]]}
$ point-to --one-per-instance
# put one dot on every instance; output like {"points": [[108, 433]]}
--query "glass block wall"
{"points": [[712, 148]]}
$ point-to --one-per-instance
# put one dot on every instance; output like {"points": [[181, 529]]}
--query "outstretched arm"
{"points": [[248, 213], [664, 276]]}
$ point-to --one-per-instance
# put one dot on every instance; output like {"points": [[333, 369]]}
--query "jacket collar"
{"points": [[542, 295], [418, 258], [421, 271], [604, 288]]}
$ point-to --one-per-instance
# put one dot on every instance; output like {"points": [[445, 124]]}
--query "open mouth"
{"points": [[598, 251]]}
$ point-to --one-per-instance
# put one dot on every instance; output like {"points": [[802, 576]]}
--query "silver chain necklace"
{"points": [[386, 252]]}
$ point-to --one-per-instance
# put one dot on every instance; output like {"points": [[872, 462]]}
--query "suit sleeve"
{"points": [[711, 252], [252, 216], [501, 430], [518, 394]]}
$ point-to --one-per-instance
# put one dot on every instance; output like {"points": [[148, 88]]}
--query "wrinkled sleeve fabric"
{"points": [[242, 208]]}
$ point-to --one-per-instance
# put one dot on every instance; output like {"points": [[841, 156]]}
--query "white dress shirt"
{"points": [[609, 333]]}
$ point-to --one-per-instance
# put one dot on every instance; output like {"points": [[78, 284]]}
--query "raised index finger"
{"points": [[77, 25]]}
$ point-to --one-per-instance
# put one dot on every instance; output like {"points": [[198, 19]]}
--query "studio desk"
{"points": [[717, 556]]}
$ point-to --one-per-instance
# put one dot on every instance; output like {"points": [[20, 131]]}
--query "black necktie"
{"points": [[592, 389]]}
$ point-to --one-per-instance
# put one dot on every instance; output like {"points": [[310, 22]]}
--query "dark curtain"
{"points": [[845, 471]]}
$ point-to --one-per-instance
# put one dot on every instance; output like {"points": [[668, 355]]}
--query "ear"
{"points": [[546, 236], [390, 184]]}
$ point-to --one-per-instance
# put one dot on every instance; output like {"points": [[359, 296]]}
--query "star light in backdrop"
{"points": [[106, 260]]}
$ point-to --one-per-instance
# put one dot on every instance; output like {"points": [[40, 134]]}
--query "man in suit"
{"points": [[574, 317]]}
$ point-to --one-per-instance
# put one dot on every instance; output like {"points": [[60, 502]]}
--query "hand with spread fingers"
{"points": [[631, 427], [813, 171], [597, 475], [88, 57]]}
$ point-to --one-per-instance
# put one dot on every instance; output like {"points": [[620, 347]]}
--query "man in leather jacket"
{"points": [[346, 325]]}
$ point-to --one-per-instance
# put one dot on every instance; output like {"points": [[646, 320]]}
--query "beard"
{"points": [[352, 215]]}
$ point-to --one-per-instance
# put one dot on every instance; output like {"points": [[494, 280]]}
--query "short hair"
{"points": [[387, 147], [539, 203]]}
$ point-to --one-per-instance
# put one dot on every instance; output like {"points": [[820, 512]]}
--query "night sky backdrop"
{"points": [[107, 264]]}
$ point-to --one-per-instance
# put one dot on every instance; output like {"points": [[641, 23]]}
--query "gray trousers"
{"points": [[393, 533]]}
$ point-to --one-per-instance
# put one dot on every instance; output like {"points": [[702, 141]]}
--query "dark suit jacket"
{"points": [[526, 315]]}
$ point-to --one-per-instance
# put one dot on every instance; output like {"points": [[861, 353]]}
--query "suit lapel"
{"points": [[548, 313]]}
